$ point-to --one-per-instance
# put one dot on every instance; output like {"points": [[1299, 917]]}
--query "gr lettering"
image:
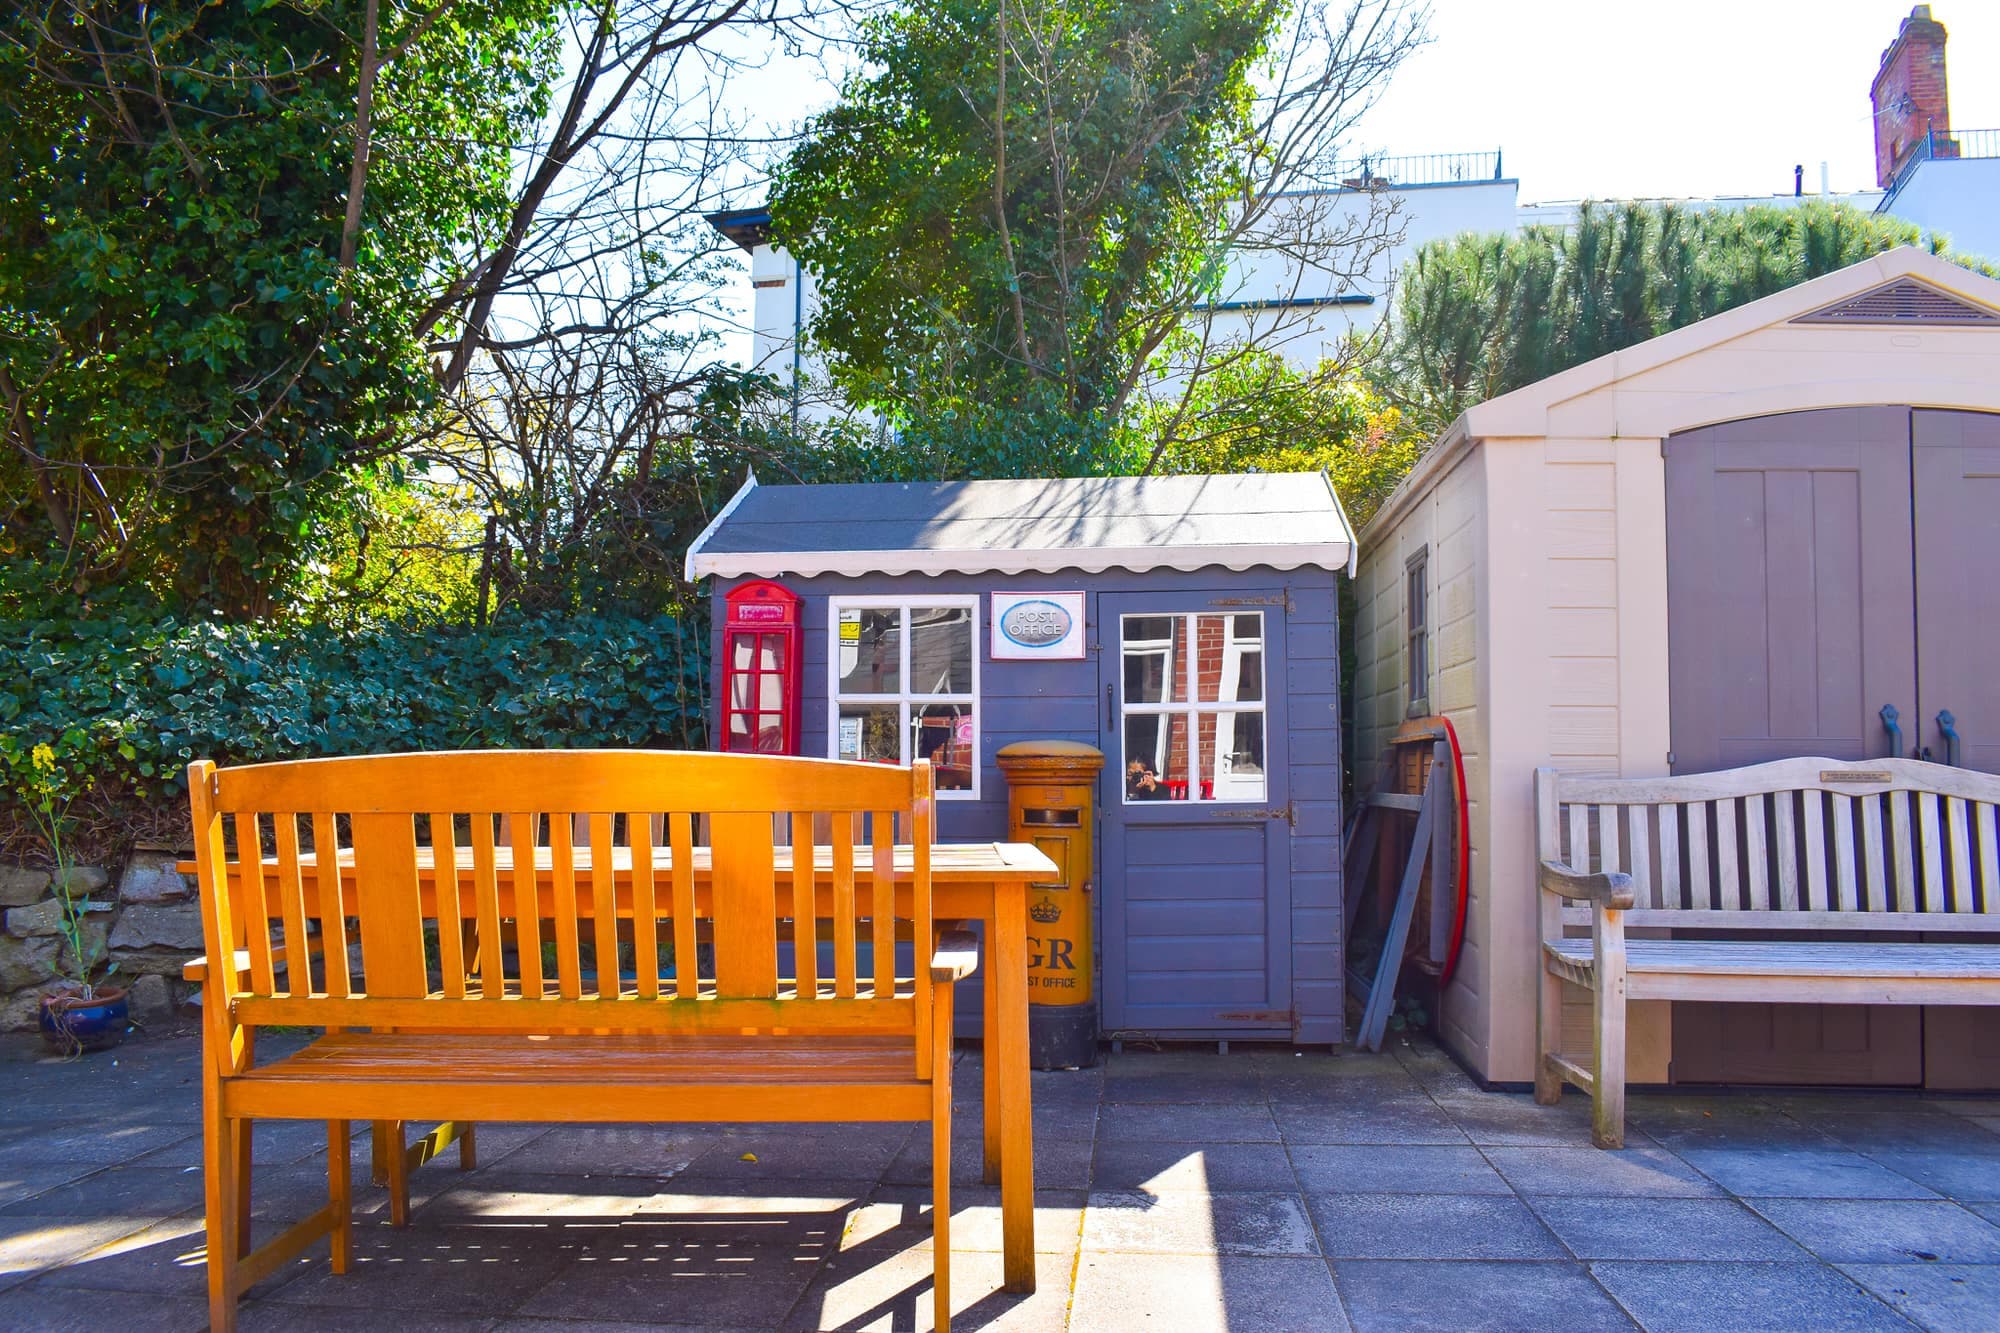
{"points": [[1058, 955]]}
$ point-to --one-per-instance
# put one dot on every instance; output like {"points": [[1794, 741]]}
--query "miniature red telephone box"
{"points": [[760, 670]]}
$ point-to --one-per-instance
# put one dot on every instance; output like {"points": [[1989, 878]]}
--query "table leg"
{"points": [[1017, 1125], [989, 1119]]}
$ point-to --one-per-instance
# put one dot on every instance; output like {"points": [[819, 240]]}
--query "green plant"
{"points": [[46, 781]]}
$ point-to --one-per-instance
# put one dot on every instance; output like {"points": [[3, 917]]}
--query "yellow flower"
{"points": [[43, 758]]}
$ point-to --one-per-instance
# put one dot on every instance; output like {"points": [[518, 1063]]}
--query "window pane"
{"points": [[771, 652], [740, 650], [943, 734], [1229, 663], [1232, 756], [770, 737], [770, 692], [739, 731], [868, 732], [740, 685], [1150, 675], [870, 647], [1156, 757], [940, 650]]}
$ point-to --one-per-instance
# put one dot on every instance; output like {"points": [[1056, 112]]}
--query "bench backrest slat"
{"points": [[413, 854], [1777, 845]]}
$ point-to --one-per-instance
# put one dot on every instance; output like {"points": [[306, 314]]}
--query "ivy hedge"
{"points": [[127, 705]]}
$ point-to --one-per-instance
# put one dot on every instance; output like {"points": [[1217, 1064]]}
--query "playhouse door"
{"points": [[1194, 861]]}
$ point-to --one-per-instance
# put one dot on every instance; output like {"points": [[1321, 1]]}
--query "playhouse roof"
{"points": [[1262, 520]]}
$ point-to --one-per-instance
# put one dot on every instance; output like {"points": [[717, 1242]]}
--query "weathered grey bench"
{"points": [[1817, 846]]}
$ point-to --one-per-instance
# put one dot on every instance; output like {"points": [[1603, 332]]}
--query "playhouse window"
{"points": [[905, 685]]}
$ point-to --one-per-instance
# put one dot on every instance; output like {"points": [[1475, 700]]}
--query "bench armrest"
{"points": [[957, 956], [196, 969], [1611, 889]]}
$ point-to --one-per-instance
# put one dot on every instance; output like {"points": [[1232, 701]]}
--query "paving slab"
{"points": [[1410, 1121], [1969, 1177], [1884, 1231], [1146, 1122], [1947, 1298], [975, 1219], [1709, 1230], [1203, 1167], [1769, 1297], [47, 1309], [1427, 1226], [1393, 1296], [1597, 1171], [891, 1293], [1801, 1173], [1122, 1293], [1197, 1224], [1505, 1120], [605, 1150], [463, 1270], [1395, 1169]]}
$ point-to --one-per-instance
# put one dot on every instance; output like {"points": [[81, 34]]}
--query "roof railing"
{"points": [[1937, 145], [1379, 171]]}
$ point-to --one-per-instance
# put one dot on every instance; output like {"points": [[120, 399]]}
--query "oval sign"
{"points": [[1036, 624]]}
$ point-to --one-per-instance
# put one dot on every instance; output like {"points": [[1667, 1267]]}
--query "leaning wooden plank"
{"points": [[1382, 996]]}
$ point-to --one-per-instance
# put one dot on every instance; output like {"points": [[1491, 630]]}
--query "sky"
{"points": [[1610, 98]]}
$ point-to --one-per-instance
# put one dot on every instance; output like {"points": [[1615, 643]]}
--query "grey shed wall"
{"points": [[1063, 701]]}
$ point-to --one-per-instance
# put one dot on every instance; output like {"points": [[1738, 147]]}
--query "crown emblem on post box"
{"points": [[1045, 911]]}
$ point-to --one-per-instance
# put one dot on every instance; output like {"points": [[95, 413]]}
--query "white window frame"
{"points": [[903, 698], [1192, 707]]}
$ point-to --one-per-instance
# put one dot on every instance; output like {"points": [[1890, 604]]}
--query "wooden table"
{"points": [[985, 881]]}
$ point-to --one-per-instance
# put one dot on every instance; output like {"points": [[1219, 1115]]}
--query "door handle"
{"points": [[1948, 728], [1889, 716]]}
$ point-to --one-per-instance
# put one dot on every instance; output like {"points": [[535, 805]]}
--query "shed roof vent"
{"points": [[1904, 301]]}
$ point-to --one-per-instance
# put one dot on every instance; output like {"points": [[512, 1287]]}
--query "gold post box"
{"points": [[1051, 794]]}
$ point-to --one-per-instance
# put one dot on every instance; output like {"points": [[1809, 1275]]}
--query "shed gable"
{"points": [[1904, 301]]}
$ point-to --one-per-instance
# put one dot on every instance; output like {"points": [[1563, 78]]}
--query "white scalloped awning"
{"points": [[1281, 520]]}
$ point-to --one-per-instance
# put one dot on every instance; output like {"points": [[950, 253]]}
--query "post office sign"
{"points": [[1030, 625]]}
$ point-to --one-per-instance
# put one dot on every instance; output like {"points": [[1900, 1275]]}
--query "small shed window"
{"points": [[1417, 654], [905, 684]]}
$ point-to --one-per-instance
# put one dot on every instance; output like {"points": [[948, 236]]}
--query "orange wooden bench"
{"points": [[432, 1030]]}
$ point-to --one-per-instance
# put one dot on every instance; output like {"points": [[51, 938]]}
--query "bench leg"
{"points": [[224, 1224], [941, 1053], [340, 1191], [1607, 1107], [1548, 1038], [396, 1164]]}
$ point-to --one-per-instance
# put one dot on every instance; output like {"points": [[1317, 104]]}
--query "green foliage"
{"points": [[138, 700], [995, 294], [1258, 414], [45, 776], [1479, 316], [195, 387]]}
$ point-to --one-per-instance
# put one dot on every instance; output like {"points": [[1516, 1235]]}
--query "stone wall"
{"points": [[149, 921]]}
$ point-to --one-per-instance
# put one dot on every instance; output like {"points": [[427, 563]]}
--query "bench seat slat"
{"points": [[625, 1058], [1801, 958]]}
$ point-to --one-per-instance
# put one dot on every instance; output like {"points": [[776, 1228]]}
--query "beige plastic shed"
{"points": [[1535, 578]]}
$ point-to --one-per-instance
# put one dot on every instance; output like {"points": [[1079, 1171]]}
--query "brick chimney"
{"points": [[1909, 97]]}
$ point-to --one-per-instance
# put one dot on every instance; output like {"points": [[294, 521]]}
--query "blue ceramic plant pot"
{"points": [[73, 1024]]}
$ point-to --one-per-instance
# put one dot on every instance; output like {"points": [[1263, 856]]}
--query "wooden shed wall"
{"points": [[1572, 622], [1063, 701]]}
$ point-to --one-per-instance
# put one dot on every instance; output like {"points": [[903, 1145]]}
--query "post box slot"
{"points": [[1055, 818]]}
